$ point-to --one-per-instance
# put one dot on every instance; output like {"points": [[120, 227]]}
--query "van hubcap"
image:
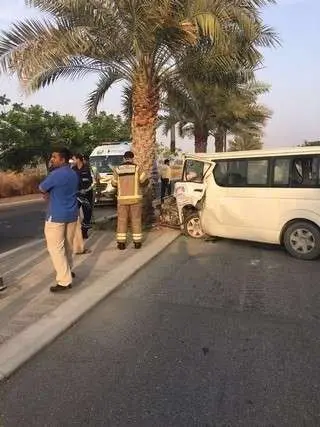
{"points": [[194, 228], [302, 241]]}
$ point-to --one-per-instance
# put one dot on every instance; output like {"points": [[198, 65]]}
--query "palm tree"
{"points": [[245, 142], [202, 110], [138, 41], [239, 113], [215, 90]]}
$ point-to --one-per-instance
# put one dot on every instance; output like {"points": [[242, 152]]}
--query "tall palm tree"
{"points": [[215, 89], [203, 110], [246, 141], [238, 113], [139, 41]]}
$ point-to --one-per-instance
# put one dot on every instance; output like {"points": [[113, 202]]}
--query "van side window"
{"points": [[220, 173], [232, 173], [281, 172], [304, 172], [193, 171], [237, 173], [257, 173]]}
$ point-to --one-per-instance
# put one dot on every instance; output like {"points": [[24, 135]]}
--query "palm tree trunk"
{"points": [[145, 106], [173, 139], [200, 140], [219, 140], [224, 140]]}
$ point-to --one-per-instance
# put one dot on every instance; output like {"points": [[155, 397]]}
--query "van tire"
{"points": [[302, 240], [192, 226]]}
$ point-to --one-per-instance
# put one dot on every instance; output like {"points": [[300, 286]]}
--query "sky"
{"points": [[292, 71]]}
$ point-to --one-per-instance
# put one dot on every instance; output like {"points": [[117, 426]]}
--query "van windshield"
{"points": [[193, 170], [102, 163]]}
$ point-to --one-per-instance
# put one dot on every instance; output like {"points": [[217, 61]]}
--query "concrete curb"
{"points": [[105, 219], [29, 342]]}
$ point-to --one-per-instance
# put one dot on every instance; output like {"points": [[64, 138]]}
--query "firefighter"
{"points": [[128, 180]]}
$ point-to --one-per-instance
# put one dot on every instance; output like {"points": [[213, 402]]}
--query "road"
{"points": [[21, 224], [208, 334]]}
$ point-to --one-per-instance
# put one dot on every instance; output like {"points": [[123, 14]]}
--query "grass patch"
{"points": [[19, 184]]}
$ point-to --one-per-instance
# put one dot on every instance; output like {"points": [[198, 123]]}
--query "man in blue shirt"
{"points": [[60, 188]]}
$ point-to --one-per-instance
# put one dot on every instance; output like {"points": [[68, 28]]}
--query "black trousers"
{"points": [[87, 207], [165, 187]]}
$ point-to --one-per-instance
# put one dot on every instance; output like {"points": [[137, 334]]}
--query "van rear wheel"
{"points": [[302, 240], [192, 226]]}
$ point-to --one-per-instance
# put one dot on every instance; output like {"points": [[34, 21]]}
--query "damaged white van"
{"points": [[270, 196]]}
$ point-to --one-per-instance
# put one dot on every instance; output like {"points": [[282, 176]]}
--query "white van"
{"points": [[270, 196], [103, 160]]}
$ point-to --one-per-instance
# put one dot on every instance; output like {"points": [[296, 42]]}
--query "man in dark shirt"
{"points": [[85, 195]]}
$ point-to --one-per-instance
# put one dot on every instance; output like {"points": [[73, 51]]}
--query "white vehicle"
{"points": [[270, 196], [103, 160]]}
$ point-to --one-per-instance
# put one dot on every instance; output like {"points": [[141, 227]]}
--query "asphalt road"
{"points": [[208, 334], [21, 224]]}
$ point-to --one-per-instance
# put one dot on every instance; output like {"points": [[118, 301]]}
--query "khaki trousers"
{"points": [[78, 242], [59, 237], [132, 214]]}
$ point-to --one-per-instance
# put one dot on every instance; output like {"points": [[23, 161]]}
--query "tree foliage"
{"points": [[141, 42], [29, 134], [246, 142], [315, 143]]}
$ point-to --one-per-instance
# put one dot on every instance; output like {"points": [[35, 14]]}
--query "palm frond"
{"points": [[76, 68], [126, 101], [106, 80]]}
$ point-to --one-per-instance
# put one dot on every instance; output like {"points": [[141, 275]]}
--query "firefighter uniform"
{"points": [[129, 180]]}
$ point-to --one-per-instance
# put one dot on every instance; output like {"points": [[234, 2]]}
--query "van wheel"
{"points": [[302, 240], [192, 226]]}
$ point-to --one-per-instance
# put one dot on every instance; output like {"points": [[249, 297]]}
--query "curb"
{"points": [[25, 345], [105, 219]]}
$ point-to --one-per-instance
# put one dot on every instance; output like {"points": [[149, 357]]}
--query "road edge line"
{"points": [[21, 348], [20, 202], [21, 248]]}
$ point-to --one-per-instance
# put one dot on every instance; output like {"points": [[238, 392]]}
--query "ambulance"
{"points": [[103, 160]]}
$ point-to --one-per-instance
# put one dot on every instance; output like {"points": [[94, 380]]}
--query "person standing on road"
{"points": [[60, 188], [95, 178], [85, 196], [128, 180], [165, 179]]}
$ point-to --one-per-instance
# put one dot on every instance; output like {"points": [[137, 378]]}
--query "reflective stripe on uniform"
{"points": [[136, 237], [135, 197], [121, 237]]}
